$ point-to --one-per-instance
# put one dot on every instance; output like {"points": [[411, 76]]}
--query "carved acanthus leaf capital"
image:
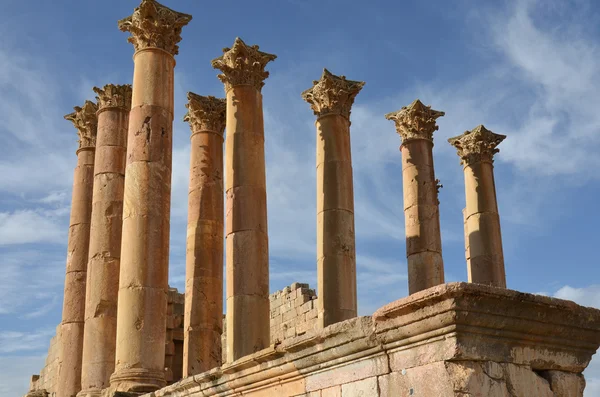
{"points": [[206, 113], [114, 96], [243, 65], [415, 121], [479, 144], [332, 94], [85, 120], [153, 25]]}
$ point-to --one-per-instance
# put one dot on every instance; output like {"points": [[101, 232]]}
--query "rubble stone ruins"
{"points": [[125, 332]]}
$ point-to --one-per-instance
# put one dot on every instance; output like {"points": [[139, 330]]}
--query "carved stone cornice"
{"points": [[479, 144], [243, 65], [114, 96], [85, 120], [415, 121], [153, 25], [332, 95], [205, 113]]}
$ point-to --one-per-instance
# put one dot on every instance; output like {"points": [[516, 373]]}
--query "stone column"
{"points": [[485, 260], [331, 99], [71, 330], [143, 277], [203, 319], [247, 241], [114, 102], [416, 124]]}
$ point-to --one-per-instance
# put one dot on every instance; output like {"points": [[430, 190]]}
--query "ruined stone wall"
{"points": [[293, 312], [48, 376]]}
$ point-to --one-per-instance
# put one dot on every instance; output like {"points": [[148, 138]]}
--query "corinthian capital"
{"points": [[85, 120], [114, 96], [479, 144], [332, 94], [205, 113], [415, 121], [243, 65], [153, 25]]}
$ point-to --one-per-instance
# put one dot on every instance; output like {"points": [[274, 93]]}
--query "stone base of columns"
{"points": [[90, 393], [137, 380], [449, 340]]}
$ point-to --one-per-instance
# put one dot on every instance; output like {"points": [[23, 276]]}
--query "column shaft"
{"points": [[143, 277], [72, 325], [105, 246], [336, 253], [416, 124], [203, 319], [71, 335], [483, 238], [421, 216], [331, 100], [485, 259], [247, 240]]}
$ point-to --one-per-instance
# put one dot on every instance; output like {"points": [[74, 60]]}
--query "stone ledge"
{"points": [[457, 322]]}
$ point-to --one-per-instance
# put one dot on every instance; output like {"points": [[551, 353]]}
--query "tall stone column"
{"points": [[247, 241], [143, 277], [416, 124], [114, 102], [71, 330], [203, 319], [485, 260], [331, 99]]}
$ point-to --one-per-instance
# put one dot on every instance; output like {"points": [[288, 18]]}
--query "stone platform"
{"points": [[455, 339]]}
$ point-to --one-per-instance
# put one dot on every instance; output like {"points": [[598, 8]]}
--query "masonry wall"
{"points": [[293, 312]]}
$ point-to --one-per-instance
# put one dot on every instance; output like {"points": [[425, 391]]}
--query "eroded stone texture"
{"points": [[452, 340], [143, 276], [71, 331], [205, 231], [247, 259], [114, 102], [331, 99], [416, 124], [485, 259]]}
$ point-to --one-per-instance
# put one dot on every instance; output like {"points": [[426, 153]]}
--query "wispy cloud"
{"points": [[30, 226]]}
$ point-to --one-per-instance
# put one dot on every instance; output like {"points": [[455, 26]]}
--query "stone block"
{"points": [[363, 388], [335, 391]]}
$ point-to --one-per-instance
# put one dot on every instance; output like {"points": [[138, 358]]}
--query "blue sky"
{"points": [[528, 69]]}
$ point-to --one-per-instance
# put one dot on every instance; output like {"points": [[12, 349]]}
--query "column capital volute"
{"points": [[114, 96], [415, 121], [477, 145], [152, 25], [332, 95], [243, 65], [205, 113], [86, 122]]}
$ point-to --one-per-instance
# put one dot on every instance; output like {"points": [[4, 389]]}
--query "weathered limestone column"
{"points": [[485, 260], [143, 277], [416, 124], [247, 241], [71, 330], [203, 319], [331, 99], [114, 102]]}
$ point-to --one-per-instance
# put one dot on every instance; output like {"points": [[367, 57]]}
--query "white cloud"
{"points": [[17, 342], [31, 280], [586, 296], [30, 226]]}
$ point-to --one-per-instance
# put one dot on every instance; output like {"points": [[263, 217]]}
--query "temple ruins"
{"points": [[125, 332]]}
